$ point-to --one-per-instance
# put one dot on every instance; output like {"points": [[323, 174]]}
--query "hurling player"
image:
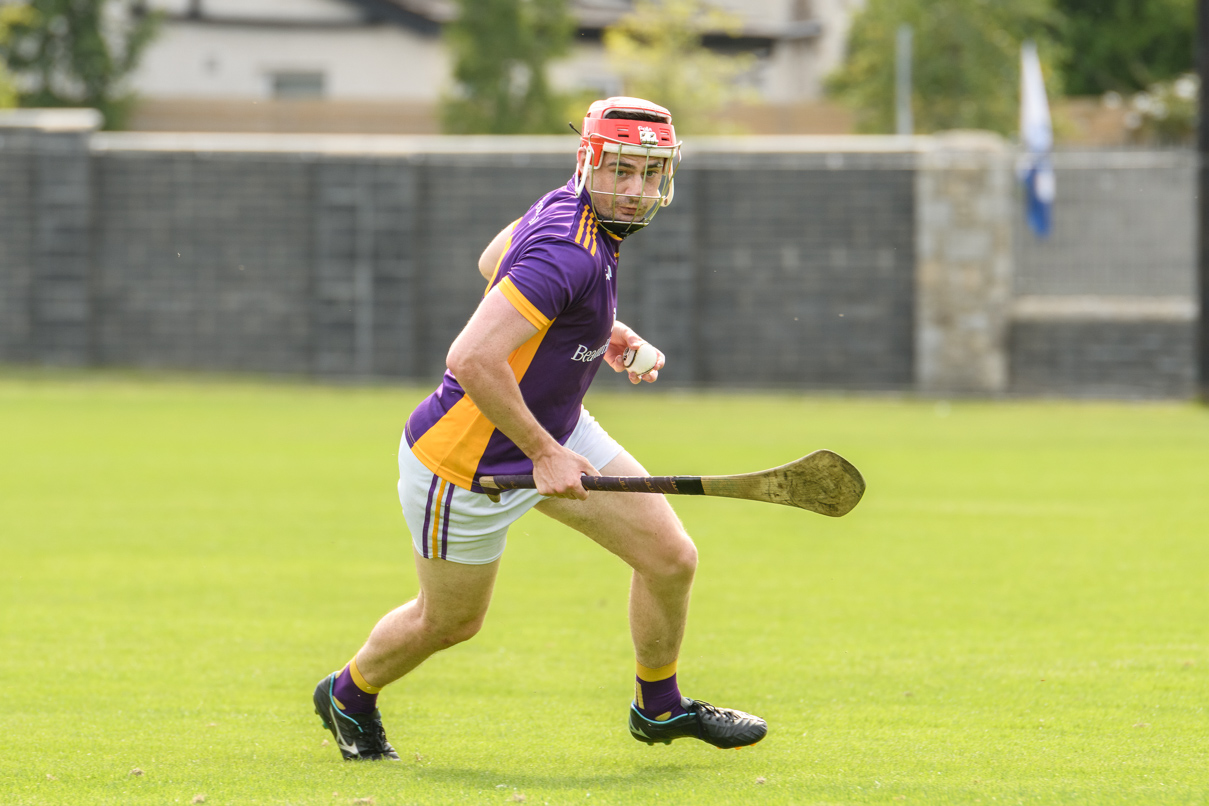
{"points": [[512, 402]]}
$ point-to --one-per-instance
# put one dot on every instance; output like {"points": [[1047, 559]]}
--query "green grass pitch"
{"points": [[1016, 613]]}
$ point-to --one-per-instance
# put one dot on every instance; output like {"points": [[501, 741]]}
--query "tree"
{"points": [[77, 53], [966, 62], [10, 16], [501, 49], [658, 51], [1126, 45]]}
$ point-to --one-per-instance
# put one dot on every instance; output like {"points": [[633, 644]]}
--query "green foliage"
{"points": [[74, 53], [1015, 613], [966, 62], [658, 52], [1126, 45], [10, 16], [501, 49]]}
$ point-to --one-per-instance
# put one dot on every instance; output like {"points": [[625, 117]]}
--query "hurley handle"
{"points": [[667, 485]]}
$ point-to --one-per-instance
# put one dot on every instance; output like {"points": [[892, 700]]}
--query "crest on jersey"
{"points": [[647, 136]]}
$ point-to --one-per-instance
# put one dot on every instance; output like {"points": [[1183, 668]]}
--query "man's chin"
{"points": [[627, 217]]}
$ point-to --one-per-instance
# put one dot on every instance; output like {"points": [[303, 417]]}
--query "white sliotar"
{"points": [[640, 361]]}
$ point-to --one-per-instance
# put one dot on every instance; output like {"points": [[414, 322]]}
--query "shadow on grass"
{"points": [[642, 776]]}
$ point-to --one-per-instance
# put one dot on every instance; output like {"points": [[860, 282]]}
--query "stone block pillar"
{"points": [[964, 198]]}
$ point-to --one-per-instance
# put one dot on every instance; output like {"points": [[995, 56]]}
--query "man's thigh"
{"points": [[454, 594], [640, 528]]}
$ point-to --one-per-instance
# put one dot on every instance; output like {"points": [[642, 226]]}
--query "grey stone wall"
{"points": [[46, 234], [1124, 225], [16, 245], [1104, 357], [358, 257], [1105, 305], [203, 261], [294, 261], [845, 263], [780, 268]]}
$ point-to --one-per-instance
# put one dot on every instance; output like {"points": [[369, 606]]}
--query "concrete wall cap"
{"points": [[1144, 159], [967, 140], [372, 145], [386, 145], [1099, 308], [51, 120], [340, 144], [806, 144]]}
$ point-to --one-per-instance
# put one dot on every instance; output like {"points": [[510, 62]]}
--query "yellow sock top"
{"points": [[359, 680], [649, 675]]}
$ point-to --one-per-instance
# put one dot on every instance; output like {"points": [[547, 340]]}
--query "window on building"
{"points": [[294, 85]]}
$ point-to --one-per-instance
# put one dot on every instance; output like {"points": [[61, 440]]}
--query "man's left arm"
{"points": [[490, 259], [623, 337]]}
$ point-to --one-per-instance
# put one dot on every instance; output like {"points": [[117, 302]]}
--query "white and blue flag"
{"points": [[1036, 169]]}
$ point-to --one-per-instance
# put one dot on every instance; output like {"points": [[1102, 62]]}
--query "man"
{"points": [[511, 402]]}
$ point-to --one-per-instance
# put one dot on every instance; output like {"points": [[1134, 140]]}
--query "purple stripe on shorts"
{"points": [[427, 516], [445, 525]]}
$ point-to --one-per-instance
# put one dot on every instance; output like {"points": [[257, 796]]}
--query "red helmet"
{"points": [[611, 126]]}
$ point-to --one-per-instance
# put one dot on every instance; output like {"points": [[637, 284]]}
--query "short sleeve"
{"points": [[549, 277]]}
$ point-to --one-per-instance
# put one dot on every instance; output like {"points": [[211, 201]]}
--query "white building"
{"points": [[381, 65]]}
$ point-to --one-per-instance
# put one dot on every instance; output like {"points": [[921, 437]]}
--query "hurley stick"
{"points": [[822, 482]]}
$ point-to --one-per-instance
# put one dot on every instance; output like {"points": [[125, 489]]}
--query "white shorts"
{"points": [[450, 523]]}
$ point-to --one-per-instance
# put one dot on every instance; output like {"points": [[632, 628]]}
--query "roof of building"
{"points": [[429, 16]]}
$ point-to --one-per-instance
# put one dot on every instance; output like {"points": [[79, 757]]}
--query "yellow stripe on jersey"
{"points": [[454, 445], [586, 235], [526, 308], [583, 219], [507, 245]]}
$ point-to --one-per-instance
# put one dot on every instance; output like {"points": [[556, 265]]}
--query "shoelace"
{"points": [[724, 714], [369, 729]]}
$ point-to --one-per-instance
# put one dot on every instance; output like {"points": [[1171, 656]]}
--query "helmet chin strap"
{"points": [[622, 228]]}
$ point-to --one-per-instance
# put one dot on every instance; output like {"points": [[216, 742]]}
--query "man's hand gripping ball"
{"points": [[628, 352]]}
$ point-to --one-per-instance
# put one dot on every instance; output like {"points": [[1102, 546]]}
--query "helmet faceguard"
{"points": [[644, 149]]}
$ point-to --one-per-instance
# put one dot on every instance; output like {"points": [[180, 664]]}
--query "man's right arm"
{"points": [[479, 361]]}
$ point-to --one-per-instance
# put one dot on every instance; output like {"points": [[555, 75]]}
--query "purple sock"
{"points": [[352, 693], [657, 699]]}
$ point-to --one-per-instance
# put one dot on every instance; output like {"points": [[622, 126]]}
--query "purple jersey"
{"points": [[559, 270]]}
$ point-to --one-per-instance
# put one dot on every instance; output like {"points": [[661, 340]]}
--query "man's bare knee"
{"points": [[674, 560], [685, 561], [447, 633]]}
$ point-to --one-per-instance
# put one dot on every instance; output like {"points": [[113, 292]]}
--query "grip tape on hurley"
{"points": [[666, 485]]}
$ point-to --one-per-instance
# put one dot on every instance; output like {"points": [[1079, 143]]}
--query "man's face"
{"points": [[625, 187]]}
